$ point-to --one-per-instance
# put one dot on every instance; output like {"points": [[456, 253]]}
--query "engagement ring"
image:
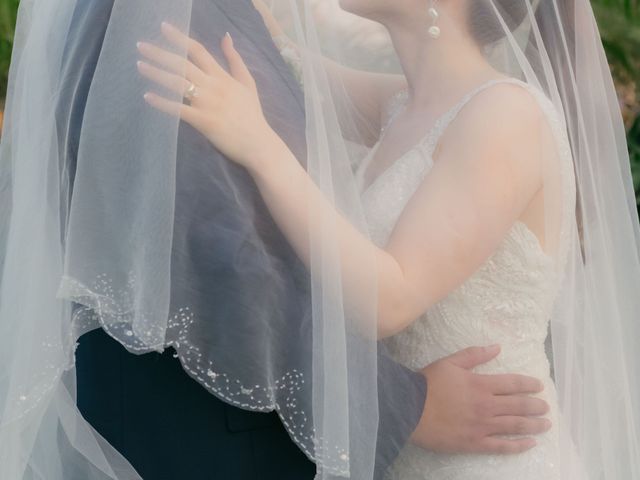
{"points": [[191, 92]]}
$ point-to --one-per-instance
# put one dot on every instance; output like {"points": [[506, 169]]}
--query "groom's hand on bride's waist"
{"points": [[467, 412]]}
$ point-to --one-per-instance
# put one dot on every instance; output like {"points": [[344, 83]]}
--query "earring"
{"points": [[434, 30]]}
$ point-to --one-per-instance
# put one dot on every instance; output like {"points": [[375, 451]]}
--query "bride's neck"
{"points": [[438, 70]]}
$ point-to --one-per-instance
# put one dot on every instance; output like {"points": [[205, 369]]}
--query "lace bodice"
{"points": [[507, 301]]}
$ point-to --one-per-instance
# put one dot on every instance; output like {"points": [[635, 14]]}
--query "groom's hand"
{"points": [[467, 412]]}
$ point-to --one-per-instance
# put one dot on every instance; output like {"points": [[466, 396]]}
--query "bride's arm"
{"points": [[457, 218], [368, 92], [454, 222]]}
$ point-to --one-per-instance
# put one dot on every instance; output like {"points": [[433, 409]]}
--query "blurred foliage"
{"points": [[8, 10], [619, 23], [618, 20]]}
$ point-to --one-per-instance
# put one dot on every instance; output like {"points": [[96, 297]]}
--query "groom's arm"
{"points": [[401, 399]]}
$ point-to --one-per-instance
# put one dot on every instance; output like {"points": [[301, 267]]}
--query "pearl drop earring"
{"points": [[434, 30]]}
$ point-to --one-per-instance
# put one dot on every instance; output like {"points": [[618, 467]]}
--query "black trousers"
{"points": [[169, 427]]}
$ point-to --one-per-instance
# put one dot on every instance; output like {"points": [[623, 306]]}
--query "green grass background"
{"points": [[619, 22]]}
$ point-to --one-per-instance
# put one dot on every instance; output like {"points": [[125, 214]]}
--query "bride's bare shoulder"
{"points": [[503, 106], [507, 114], [502, 132]]}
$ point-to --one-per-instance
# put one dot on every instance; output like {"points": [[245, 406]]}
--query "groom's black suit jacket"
{"points": [[165, 423]]}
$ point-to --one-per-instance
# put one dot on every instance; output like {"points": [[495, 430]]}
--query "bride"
{"points": [[468, 192]]}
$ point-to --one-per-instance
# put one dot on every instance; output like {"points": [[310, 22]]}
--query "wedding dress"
{"points": [[507, 301]]}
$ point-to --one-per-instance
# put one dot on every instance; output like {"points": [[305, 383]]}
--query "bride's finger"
{"points": [[173, 82], [186, 112], [196, 51], [173, 62], [237, 67]]}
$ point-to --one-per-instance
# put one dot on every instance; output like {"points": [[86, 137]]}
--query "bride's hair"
{"points": [[484, 24]]}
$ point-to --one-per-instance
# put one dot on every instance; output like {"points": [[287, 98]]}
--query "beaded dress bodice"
{"points": [[507, 301]]}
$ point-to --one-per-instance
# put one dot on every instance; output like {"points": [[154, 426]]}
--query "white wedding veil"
{"points": [[124, 225]]}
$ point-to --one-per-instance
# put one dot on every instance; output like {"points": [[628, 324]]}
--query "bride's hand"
{"points": [[225, 108]]}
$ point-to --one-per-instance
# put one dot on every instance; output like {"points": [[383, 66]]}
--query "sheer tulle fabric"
{"points": [[110, 240]]}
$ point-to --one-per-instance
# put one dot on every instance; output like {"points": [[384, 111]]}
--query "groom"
{"points": [[165, 423]]}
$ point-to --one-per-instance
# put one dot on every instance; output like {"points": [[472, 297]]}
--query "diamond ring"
{"points": [[191, 92]]}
